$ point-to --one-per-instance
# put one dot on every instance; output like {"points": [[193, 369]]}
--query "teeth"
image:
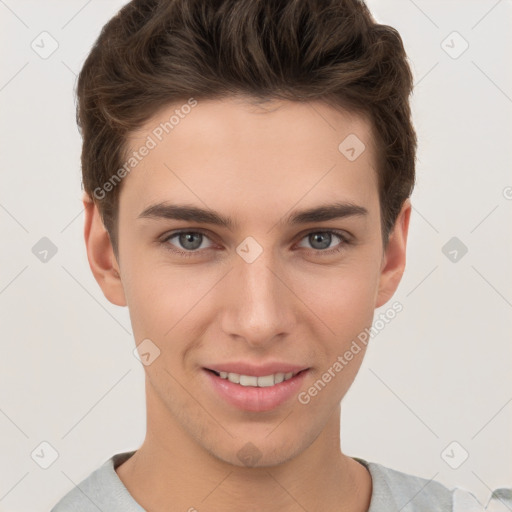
{"points": [[251, 380], [245, 380], [265, 382], [234, 377]]}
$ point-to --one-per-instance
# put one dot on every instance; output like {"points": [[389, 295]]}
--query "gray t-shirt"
{"points": [[392, 491]]}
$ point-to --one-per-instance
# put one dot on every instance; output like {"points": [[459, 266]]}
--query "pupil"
{"points": [[188, 238], [319, 236]]}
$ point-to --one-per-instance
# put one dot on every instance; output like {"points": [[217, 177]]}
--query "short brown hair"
{"points": [[153, 53]]}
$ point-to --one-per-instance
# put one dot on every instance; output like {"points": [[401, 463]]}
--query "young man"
{"points": [[247, 167]]}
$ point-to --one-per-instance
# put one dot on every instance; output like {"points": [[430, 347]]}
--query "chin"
{"points": [[249, 452]]}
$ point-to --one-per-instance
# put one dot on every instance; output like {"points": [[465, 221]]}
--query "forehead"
{"points": [[269, 154], [219, 124]]}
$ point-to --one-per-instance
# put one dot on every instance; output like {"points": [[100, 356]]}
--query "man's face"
{"points": [[263, 290]]}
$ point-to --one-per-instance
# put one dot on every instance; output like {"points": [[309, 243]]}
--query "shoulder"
{"points": [[407, 493], [394, 490], [87, 496], [101, 490]]}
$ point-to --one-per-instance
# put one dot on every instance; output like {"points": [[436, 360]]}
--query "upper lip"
{"points": [[244, 368]]}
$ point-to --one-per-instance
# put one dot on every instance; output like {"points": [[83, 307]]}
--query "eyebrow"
{"points": [[200, 215]]}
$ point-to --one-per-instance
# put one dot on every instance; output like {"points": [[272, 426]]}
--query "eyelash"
{"points": [[187, 254]]}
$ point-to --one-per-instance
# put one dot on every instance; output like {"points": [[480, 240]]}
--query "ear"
{"points": [[100, 254], [393, 261]]}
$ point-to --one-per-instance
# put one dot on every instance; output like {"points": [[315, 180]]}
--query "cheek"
{"points": [[151, 296], [345, 309], [166, 301], [343, 298]]}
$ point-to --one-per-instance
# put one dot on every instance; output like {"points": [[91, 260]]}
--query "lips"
{"points": [[254, 398]]}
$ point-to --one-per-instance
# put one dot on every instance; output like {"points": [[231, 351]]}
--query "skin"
{"points": [[255, 164]]}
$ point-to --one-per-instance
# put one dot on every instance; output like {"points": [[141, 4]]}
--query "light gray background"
{"points": [[438, 373]]}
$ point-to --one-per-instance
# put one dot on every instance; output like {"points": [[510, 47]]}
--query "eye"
{"points": [[321, 240], [191, 241]]}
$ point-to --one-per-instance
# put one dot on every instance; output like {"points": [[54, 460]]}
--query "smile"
{"points": [[255, 393], [251, 380]]}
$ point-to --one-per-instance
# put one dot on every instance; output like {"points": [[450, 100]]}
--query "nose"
{"points": [[258, 305]]}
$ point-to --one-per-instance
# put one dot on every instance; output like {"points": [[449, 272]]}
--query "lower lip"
{"points": [[255, 399]]}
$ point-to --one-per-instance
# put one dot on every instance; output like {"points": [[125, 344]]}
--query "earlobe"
{"points": [[393, 263], [100, 254]]}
